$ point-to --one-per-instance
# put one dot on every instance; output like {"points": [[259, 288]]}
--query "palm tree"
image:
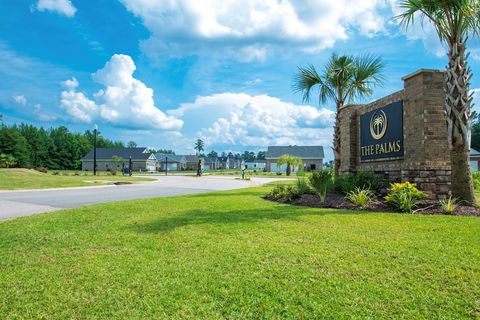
{"points": [[343, 79], [199, 146], [454, 21], [290, 161]]}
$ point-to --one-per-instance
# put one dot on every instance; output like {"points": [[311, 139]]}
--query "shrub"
{"points": [[322, 182], [288, 192], [302, 186], [113, 172], [361, 197], [279, 173], [42, 169], [404, 196], [476, 179], [55, 173], [449, 205], [76, 173], [65, 173], [360, 180]]}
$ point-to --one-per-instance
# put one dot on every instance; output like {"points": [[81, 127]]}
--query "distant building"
{"points": [[192, 162], [142, 159], [256, 165], [229, 163], [209, 163], [170, 161], [312, 157], [474, 159]]}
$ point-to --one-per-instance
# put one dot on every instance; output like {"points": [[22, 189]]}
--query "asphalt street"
{"points": [[21, 203]]}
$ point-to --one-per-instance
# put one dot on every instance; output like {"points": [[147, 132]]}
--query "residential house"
{"points": [[223, 163], [171, 162], [474, 159], [312, 157], [230, 163], [142, 159], [210, 163], [192, 162], [259, 165]]}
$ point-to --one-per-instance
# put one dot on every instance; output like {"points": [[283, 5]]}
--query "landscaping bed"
{"points": [[365, 191], [336, 200]]}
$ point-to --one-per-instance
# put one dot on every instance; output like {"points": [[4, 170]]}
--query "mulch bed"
{"points": [[338, 201]]}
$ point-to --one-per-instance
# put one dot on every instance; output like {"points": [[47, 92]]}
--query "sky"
{"points": [[167, 72]]}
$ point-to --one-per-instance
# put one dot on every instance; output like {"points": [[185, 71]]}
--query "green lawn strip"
{"points": [[234, 255], [14, 179]]}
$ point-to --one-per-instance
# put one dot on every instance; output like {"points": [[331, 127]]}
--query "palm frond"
{"points": [[306, 79], [368, 73]]}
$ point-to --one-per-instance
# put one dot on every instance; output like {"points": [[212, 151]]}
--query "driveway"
{"points": [[27, 202]]}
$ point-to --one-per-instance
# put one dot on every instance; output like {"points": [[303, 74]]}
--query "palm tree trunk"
{"points": [[336, 141], [289, 170], [457, 104]]}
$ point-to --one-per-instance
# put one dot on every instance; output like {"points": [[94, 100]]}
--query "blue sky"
{"points": [[164, 73]]}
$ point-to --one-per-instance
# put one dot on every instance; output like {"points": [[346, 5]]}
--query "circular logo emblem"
{"points": [[378, 125]]}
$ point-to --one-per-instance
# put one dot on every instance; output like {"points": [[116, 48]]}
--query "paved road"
{"points": [[21, 203]]}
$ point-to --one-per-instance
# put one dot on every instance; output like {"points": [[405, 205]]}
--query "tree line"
{"points": [[246, 155], [57, 148]]}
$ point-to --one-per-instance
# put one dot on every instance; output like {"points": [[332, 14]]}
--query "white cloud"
{"points": [[78, 106], [38, 112], [253, 82], [70, 84], [422, 30], [20, 99], [64, 7], [239, 119], [123, 101], [250, 29]]}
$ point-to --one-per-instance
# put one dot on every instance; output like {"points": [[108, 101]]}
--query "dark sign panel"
{"points": [[381, 133]]}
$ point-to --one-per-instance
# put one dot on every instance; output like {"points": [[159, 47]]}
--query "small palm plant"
{"points": [[322, 182], [449, 205], [361, 197]]}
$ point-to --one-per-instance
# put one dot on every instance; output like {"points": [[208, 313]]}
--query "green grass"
{"points": [[234, 255], [13, 179]]}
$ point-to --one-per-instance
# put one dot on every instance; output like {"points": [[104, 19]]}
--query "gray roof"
{"points": [[210, 160], [170, 157], [474, 152], [125, 153], [191, 158], [315, 152]]}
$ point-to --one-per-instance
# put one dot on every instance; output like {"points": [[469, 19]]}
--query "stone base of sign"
{"points": [[426, 156]]}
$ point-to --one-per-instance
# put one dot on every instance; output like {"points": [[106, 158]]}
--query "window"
{"points": [[313, 166]]}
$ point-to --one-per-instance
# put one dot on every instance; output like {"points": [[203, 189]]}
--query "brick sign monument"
{"points": [[402, 136]]}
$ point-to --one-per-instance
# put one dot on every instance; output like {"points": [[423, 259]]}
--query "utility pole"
{"points": [[95, 132], [130, 166], [166, 165]]}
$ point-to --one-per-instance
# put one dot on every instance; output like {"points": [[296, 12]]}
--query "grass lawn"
{"points": [[234, 255], [11, 179]]}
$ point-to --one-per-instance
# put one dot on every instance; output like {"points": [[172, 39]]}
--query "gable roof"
{"points": [[170, 157], [312, 152], [125, 153], [474, 152], [191, 158], [210, 160]]}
